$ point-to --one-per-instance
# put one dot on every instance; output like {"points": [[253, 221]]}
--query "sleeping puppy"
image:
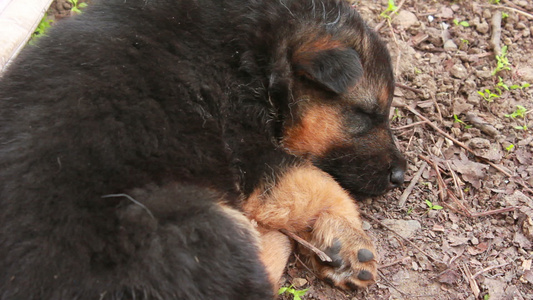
{"points": [[138, 140]]}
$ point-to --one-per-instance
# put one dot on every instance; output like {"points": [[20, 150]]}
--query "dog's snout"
{"points": [[396, 177]]}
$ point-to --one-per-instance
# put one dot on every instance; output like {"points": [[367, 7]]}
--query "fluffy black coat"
{"points": [[158, 102]]}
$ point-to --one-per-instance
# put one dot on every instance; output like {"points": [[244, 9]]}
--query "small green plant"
{"points": [[509, 148], [523, 127], [433, 206], [290, 290], [410, 210], [519, 112], [457, 120], [494, 1], [462, 23], [502, 62], [397, 114], [521, 87], [502, 85], [504, 15], [391, 7], [76, 6], [487, 296], [41, 29], [488, 95]]}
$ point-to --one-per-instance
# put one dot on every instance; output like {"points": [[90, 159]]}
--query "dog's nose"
{"points": [[396, 177]]}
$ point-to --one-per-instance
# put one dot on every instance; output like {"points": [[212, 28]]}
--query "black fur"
{"points": [[122, 130]]}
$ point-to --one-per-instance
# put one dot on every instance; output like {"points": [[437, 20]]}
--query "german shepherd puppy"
{"points": [[140, 139]]}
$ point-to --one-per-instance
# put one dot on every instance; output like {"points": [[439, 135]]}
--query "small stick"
{"points": [[403, 86], [462, 145], [392, 263], [455, 181], [378, 27], [409, 189], [323, 256], [471, 280], [488, 269], [513, 9], [409, 126], [496, 32]]}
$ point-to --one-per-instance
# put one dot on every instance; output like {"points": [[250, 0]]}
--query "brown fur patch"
{"points": [[319, 128], [310, 203], [383, 97], [308, 50], [298, 198], [275, 251]]}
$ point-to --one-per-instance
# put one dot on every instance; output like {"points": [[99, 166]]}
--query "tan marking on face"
{"points": [[383, 97], [319, 128]]}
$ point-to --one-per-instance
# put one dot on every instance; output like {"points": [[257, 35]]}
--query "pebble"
{"points": [[299, 282], [479, 143], [522, 3], [405, 19], [526, 74], [366, 225], [405, 228], [450, 45], [459, 71], [482, 27], [520, 25]]}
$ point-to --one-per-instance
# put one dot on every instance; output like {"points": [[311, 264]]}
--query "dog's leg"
{"points": [[308, 202]]}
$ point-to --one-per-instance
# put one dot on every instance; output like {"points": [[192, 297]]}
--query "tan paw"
{"points": [[354, 263]]}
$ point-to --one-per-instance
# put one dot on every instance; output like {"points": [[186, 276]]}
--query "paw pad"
{"points": [[365, 275], [365, 255]]}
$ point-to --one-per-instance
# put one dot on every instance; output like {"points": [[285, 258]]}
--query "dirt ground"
{"points": [[462, 226]]}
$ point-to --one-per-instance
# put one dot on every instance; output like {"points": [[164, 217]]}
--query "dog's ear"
{"points": [[336, 68]]}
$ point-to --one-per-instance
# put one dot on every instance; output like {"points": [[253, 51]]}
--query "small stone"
{"points": [[482, 27], [450, 45], [522, 3], [487, 14], [299, 282], [526, 74], [459, 71], [405, 19], [366, 225], [479, 143], [520, 25], [405, 228]]}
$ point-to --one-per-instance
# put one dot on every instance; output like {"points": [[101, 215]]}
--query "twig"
{"points": [[462, 145], [440, 181], [378, 27], [305, 265], [409, 126], [513, 9], [455, 181], [405, 239], [392, 263], [496, 32], [471, 280], [323, 256], [488, 269], [384, 278], [403, 86], [409, 189]]}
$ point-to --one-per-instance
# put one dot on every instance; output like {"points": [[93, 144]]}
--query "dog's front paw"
{"points": [[353, 256]]}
